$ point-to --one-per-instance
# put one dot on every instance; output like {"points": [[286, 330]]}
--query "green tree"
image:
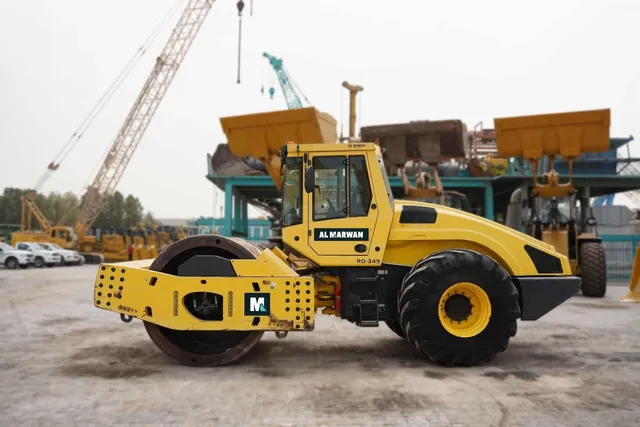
{"points": [[112, 216], [133, 211], [58, 205], [149, 220], [11, 205], [119, 211]]}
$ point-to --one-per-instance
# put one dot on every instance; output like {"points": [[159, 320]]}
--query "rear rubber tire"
{"points": [[594, 270], [419, 304], [202, 348]]}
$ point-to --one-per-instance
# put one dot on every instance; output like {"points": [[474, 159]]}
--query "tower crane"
{"points": [[290, 90]]}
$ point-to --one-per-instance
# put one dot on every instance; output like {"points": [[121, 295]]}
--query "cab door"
{"points": [[341, 220]]}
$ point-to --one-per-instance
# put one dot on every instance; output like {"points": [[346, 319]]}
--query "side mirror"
{"points": [[309, 180]]}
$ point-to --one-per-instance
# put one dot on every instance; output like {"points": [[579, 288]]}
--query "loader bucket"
{"points": [[264, 134], [424, 140], [565, 134]]}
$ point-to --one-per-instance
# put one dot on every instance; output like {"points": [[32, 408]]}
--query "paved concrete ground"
{"points": [[63, 362]]}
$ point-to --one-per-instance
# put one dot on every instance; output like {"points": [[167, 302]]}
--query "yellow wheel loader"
{"points": [[451, 283], [567, 135]]}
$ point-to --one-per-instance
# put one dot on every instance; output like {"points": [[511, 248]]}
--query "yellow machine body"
{"points": [[386, 237], [351, 250], [161, 302], [64, 237], [388, 240]]}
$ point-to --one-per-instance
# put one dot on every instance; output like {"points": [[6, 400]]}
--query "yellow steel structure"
{"points": [[452, 283], [567, 135], [353, 93], [634, 292]]}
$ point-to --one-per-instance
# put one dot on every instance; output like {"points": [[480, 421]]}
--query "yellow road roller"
{"points": [[450, 282]]}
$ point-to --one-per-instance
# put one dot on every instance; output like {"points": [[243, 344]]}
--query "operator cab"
{"points": [[333, 199], [66, 236]]}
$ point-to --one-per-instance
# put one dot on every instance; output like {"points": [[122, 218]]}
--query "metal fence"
{"points": [[620, 251]]}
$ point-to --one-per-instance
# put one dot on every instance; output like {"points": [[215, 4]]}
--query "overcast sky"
{"points": [[469, 60]]}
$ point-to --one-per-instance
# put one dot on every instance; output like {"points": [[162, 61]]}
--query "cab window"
{"points": [[292, 192], [359, 187], [330, 194], [342, 187]]}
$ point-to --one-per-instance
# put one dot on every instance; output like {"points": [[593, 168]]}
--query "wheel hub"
{"points": [[464, 310], [458, 307]]}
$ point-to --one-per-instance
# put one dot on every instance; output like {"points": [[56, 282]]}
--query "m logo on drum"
{"points": [[257, 304]]}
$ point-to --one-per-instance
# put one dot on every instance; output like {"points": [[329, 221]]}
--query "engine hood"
{"points": [[464, 220]]}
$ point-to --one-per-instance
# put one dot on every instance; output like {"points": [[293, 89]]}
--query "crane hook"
{"points": [[240, 6]]}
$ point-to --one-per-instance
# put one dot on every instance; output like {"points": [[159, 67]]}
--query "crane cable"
{"points": [[297, 88], [240, 6], [88, 120], [125, 72]]}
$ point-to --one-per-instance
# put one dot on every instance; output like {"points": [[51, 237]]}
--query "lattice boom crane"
{"points": [[291, 95], [142, 112]]}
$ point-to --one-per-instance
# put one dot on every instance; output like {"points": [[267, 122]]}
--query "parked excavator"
{"points": [[554, 216]]}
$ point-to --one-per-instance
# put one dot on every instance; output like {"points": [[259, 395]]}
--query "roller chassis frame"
{"points": [[133, 290]]}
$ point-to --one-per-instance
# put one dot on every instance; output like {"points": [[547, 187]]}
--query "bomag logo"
{"points": [[257, 304], [341, 234]]}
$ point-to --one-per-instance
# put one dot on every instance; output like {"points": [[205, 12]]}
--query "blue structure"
{"points": [[604, 163], [489, 194], [258, 229]]}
